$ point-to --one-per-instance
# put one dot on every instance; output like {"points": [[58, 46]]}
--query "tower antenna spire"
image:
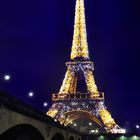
{"points": [[79, 43]]}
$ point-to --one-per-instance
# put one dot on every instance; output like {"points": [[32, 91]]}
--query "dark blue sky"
{"points": [[35, 42]]}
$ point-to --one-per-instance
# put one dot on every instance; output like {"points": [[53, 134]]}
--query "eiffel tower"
{"points": [[81, 109]]}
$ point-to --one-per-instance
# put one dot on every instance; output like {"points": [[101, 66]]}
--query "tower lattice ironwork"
{"points": [[73, 107]]}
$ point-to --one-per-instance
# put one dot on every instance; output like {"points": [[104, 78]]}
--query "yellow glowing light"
{"points": [[66, 82], [52, 112], [92, 88], [107, 119], [79, 45]]}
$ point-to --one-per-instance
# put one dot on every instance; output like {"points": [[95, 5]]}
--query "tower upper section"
{"points": [[79, 44]]}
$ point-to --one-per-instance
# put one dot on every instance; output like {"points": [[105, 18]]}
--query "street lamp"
{"points": [[30, 94], [90, 123], [45, 104], [75, 124], [137, 126], [7, 77]]}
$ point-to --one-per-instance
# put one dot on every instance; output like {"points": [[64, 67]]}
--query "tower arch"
{"points": [[80, 114]]}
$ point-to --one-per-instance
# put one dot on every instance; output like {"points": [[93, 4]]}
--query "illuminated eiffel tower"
{"points": [[85, 111]]}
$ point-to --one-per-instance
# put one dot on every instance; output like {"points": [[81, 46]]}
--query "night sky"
{"points": [[35, 42]]}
